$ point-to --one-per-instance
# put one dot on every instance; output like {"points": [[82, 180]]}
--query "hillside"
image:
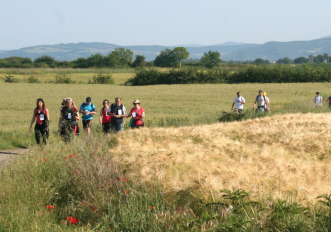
{"points": [[228, 51], [73, 51], [277, 156], [276, 50]]}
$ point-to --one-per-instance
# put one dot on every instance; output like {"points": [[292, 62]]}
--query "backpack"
{"points": [[329, 99], [258, 101], [92, 106]]}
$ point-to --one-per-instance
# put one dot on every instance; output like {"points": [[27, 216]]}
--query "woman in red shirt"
{"points": [[137, 114], [41, 128], [105, 120]]}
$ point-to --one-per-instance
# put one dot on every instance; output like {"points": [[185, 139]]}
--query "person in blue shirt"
{"points": [[87, 109]]}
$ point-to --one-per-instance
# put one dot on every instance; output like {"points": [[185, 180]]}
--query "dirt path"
{"points": [[7, 155]]}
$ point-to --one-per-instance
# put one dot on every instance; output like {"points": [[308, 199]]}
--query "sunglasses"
{"points": [[136, 103]]}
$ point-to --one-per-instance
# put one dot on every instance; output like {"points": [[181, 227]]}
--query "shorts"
{"points": [[87, 124], [106, 127], [238, 110], [261, 109]]}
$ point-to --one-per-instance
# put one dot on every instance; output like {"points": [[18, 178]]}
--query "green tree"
{"points": [[300, 60], [179, 54], [211, 59], [139, 61], [164, 59], [41, 61], [326, 56], [125, 56], [259, 61], [286, 60], [80, 63], [280, 61], [171, 58], [112, 60], [95, 60]]}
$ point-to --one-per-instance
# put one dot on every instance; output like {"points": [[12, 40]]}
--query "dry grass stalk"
{"points": [[280, 156]]}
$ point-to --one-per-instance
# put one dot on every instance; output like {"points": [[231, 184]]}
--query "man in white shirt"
{"points": [[239, 101], [318, 99], [260, 101]]}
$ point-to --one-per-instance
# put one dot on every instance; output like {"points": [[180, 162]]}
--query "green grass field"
{"points": [[165, 105], [92, 185]]}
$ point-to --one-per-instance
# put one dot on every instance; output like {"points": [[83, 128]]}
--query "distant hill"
{"points": [[276, 50], [73, 51], [228, 50]]}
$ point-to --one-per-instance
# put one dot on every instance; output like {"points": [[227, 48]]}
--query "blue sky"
{"points": [[155, 22]]}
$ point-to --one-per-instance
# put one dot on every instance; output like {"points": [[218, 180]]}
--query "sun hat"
{"points": [[136, 101]]}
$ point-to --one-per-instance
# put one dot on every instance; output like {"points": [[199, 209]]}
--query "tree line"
{"points": [[246, 74], [123, 58]]}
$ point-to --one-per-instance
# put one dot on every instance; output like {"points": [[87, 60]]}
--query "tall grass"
{"points": [[122, 183]]}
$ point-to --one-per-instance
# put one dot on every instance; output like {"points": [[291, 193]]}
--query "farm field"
{"points": [[165, 105], [171, 173]]}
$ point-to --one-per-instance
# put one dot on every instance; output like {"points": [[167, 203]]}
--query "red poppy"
{"points": [[50, 207], [66, 157], [151, 207], [72, 220], [44, 153], [93, 209], [75, 155], [121, 137], [41, 213], [127, 191], [74, 172], [45, 160]]}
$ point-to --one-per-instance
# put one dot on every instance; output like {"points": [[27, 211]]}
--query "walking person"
{"points": [[87, 109], [329, 102], [68, 120], [239, 101], [104, 118], [137, 114], [118, 113], [267, 105], [260, 101], [41, 128], [318, 100]]}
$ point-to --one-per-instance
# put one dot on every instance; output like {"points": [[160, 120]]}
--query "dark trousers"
{"points": [[41, 133], [68, 131]]}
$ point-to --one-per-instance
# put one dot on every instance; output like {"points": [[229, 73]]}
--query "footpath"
{"points": [[8, 155]]}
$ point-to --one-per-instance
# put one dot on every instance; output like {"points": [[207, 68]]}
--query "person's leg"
{"points": [[120, 127], [38, 134]]}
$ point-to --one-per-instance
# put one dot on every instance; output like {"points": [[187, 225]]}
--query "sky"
{"points": [[154, 22]]}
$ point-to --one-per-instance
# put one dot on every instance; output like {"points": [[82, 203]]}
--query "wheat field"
{"points": [[279, 157]]}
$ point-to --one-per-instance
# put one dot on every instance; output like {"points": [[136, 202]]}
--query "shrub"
{"points": [[10, 79], [63, 79], [33, 79], [102, 79]]}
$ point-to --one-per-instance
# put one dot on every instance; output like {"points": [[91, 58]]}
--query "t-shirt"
{"points": [[105, 117], [260, 100], [139, 112], [318, 100], [117, 110], [239, 105], [68, 114], [41, 117], [89, 108]]}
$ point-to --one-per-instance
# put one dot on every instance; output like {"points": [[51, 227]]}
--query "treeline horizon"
{"points": [[123, 58]]}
